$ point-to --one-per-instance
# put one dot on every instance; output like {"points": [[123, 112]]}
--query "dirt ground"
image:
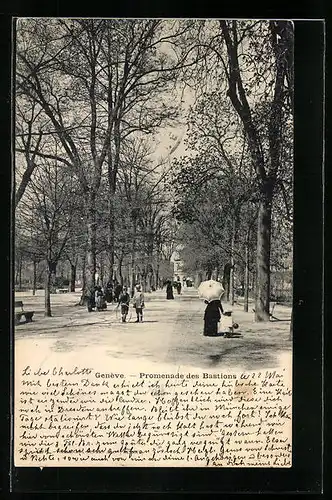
{"points": [[170, 336]]}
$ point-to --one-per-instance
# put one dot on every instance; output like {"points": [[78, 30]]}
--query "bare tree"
{"points": [[266, 163], [45, 216], [96, 81], [252, 61]]}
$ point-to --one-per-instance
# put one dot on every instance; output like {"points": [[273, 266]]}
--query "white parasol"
{"points": [[210, 290]]}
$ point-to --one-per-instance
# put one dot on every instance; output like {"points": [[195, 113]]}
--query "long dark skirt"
{"points": [[169, 293], [210, 327]]}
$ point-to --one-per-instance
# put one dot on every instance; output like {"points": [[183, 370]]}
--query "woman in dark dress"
{"points": [[169, 290], [212, 316], [109, 292]]}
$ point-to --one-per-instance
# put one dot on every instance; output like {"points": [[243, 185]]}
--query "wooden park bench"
{"points": [[273, 304], [18, 314]]}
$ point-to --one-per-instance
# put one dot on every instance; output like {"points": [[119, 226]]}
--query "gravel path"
{"points": [[170, 336]]}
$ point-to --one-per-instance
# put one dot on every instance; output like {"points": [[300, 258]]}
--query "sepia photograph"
{"points": [[153, 242]]}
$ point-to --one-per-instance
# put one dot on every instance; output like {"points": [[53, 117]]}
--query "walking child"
{"points": [[124, 301], [138, 303]]}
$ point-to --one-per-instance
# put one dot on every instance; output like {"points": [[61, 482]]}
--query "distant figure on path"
{"points": [[100, 299], [117, 291], [169, 290], [124, 300], [178, 287], [138, 303], [109, 291], [212, 317]]}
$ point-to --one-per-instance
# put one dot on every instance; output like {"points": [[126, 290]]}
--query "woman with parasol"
{"points": [[211, 291], [212, 317]]}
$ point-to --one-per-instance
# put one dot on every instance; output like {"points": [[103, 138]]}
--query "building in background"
{"points": [[178, 263]]}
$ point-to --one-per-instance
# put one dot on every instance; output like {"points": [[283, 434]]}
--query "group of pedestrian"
{"points": [[213, 315], [96, 299], [120, 295], [113, 290], [169, 288], [100, 296], [137, 301], [100, 300]]}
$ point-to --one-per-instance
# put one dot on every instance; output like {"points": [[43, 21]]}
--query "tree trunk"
{"points": [[157, 276], [226, 281], [199, 279], [132, 274], [291, 327], [49, 284], [113, 166], [110, 238], [91, 245], [72, 277], [133, 259], [231, 272], [101, 268], [48, 312], [262, 292], [119, 270], [153, 281], [246, 278], [20, 274], [82, 299], [34, 282], [253, 284]]}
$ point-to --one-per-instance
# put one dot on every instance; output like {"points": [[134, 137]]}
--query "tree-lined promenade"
{"points": [[171, 335], [95, 191]]}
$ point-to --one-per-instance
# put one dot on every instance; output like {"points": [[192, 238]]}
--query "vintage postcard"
{"points": [[153, 242]]}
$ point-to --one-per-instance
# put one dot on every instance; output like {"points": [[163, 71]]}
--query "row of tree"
{"points": [[86, 91], [89, 91], [51, 224], [236, 190]]}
